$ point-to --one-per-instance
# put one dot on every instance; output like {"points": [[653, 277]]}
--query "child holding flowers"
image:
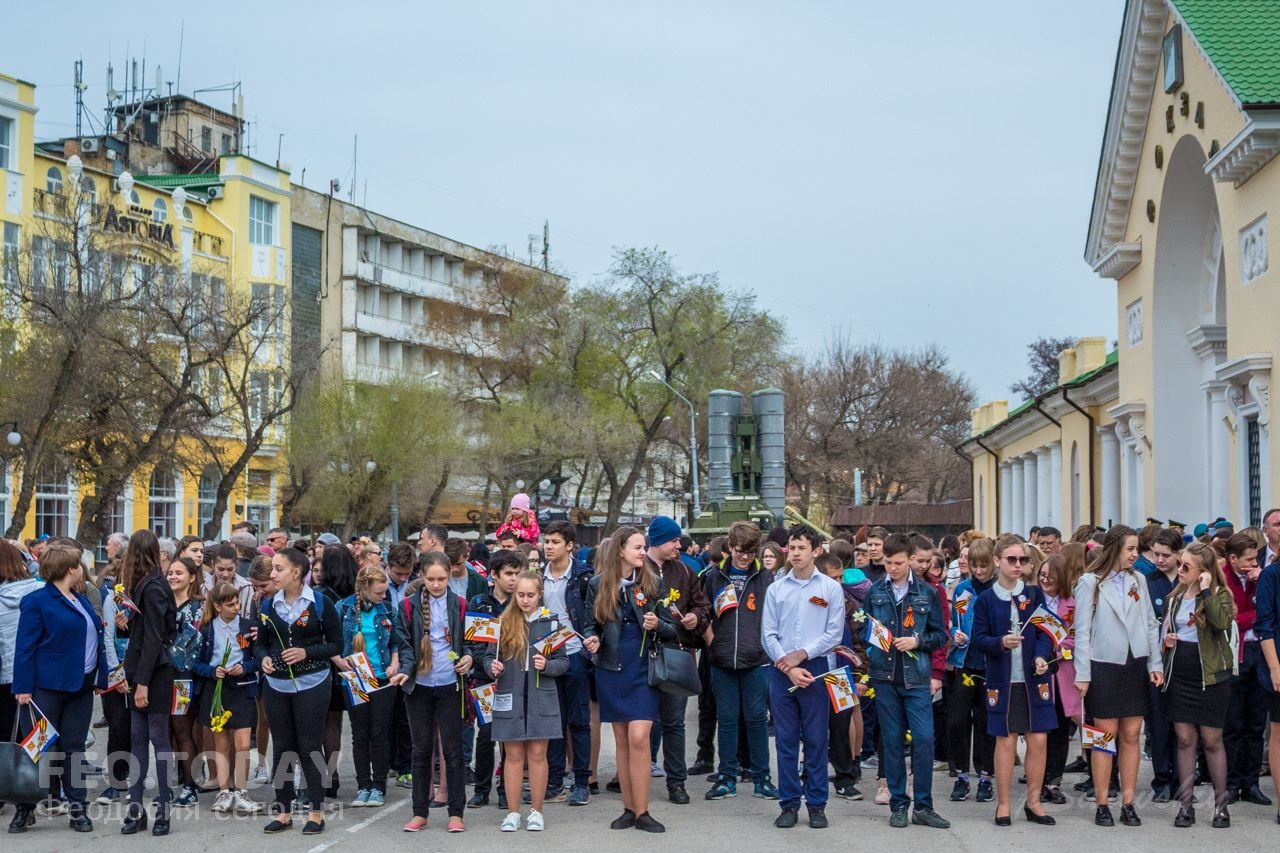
{"points": [[526, 704], [228, 696]]}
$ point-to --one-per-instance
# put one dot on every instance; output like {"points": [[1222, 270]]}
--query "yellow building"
{"points": [[1180, 215], [226, 229]]}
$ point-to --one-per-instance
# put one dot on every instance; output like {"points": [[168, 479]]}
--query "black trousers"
{"points": [[839, 749], [967, 724], [370, 745], [432, 708], [401, 739], [484, 759], [119, 738], [706, 711], [1160, 742], [297, 737], [1245, 731], [671, 735]]}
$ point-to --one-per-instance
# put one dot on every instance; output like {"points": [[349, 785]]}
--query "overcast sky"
{"points": [[904, 172]]}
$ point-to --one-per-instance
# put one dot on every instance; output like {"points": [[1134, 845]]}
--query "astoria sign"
{"points": [[139, 224]]}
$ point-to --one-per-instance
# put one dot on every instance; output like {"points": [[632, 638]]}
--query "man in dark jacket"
{"points": [[739, 677], [505, 568], [694, 612], [564, 588]]}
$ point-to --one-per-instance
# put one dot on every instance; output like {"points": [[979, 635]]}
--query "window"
{"points": [[262, 221], [259, 388], [9, 255], [163, 500], [260, 305], [117, 522], [226, 143], [6, 141], [207, 498], [53, 500], [206, 139], [1253, 437], [259, 506], [89, 189], [159, 211], [53, 181]]}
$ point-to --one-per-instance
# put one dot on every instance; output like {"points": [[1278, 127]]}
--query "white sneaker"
{"points": [[243, 804], [882, 793], [260, 776], [534, 823], [656, 771], [225, 802], [512, 821]]}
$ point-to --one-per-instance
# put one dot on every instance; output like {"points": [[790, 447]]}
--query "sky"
{"points": [[901, 173]]}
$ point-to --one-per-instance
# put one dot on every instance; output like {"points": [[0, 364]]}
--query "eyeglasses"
{"points": [[1018, 561]]}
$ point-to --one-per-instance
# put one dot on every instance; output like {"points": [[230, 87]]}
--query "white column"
{"points": [[1017, 497], [1031, 507], [1110, 478], [1044, 484], [1218, 495], [1056, 516], [1006, 500]]}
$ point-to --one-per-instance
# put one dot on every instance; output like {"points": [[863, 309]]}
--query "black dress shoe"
{"points": [[1102, 817], [1129, 815], [1253, 794], [788, 819], [477, 801], [135, 821], [626, 820], [1077, 766], [1053, 794], [161, 826], [1186, 816], [646, 823], [1042, 819], [1221, 818], [80, 823], [677, 794], [1004, 820], [23, 818], [1161, 795], [818, 819], [700, 768], [615, 786]]}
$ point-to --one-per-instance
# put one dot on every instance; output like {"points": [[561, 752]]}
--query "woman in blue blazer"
{"points": [[1019, 682], [58, 661]]}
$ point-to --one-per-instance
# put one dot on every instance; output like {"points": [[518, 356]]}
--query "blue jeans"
{"points": [[899, 709], [574, 688], [745, 693], [802, 716]]}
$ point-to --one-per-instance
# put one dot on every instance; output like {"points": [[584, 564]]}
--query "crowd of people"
{"points": [[877, 653]]}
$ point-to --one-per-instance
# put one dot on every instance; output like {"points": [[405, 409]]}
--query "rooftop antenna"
{"points": [[355, 164], [181, 35], [80, 87], [546, 244]]}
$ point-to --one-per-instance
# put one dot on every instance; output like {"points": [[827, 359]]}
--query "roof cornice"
{"points": [[1133, 87]]}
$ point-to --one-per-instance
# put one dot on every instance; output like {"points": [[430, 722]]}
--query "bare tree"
{"points": [[1042, 359]]}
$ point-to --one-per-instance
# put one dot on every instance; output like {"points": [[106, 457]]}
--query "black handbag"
{"points": [[673, 670], [20, 777]]}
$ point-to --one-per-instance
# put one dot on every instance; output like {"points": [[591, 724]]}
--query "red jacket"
{"points": [[939, 656], [1243, 591]]}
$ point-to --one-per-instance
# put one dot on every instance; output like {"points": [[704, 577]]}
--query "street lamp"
{"points": [[693, 437], [14, 438]]}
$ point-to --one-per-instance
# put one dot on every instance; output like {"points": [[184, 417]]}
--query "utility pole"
{"points": [[546, 244]]}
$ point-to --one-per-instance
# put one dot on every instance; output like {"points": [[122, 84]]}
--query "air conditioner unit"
{"points": [[89, 145], [214, 192], [111, 155]]}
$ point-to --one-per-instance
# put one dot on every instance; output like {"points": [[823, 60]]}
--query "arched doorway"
{"points": [[1188, 340]]}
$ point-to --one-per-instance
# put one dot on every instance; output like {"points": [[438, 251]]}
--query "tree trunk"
{"points": [[437, 492]]}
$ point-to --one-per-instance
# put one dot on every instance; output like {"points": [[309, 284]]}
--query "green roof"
{"points": [[1112, 359], [173, 181], [1240, 37]]}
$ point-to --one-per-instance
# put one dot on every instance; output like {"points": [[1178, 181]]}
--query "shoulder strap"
{"points": [[320, 604], [408, 612]]}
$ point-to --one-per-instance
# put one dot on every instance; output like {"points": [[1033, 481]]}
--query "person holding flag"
{"points": [[803, 623], [966, 701], [739, 679], [1016, 634], [58, 661], [526, 705], [505, 568], [904, 625]]}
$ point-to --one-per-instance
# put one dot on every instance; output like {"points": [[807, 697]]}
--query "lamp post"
{"points": [[13, 437], [693, 438]]}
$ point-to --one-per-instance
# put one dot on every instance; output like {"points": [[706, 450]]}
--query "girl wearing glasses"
{"points": [[1117, 652], [1058, 578], [1019, 684]]}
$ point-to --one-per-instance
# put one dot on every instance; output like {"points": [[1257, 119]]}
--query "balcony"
{"points": [[404, 282]]}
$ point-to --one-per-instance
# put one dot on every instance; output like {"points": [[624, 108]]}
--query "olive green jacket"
{"points": [[1217, 658]]}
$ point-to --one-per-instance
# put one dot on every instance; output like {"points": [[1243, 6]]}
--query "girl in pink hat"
{"points": [[521, 520]]}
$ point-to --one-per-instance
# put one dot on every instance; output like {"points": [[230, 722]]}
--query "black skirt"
{"points": [[1118, 690], [235, 698], [1019, 717], [1185, 701]]}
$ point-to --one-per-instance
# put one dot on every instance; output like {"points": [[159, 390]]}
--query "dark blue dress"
{"points": [[626, 695]]}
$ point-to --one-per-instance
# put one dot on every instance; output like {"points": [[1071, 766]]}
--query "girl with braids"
{"points": [[429, 638], [147, 667], [526, 701], [367, 623], [1198, 663], [624, 606], [299, 632], [1117, 651]]}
